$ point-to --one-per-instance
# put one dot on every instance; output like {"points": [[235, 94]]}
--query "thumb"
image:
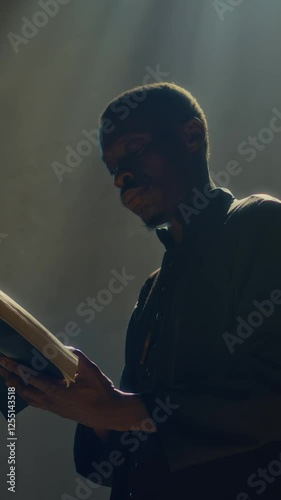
{"points": [[84, 363]]}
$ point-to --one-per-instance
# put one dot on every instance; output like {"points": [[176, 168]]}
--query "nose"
{"points": [[123, 177]]}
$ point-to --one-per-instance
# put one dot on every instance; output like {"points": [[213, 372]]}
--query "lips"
{"points": [[130, 197]]}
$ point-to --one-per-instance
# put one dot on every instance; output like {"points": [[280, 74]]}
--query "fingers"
{"points": [[5, 373], [41, 382], [31, 395]]}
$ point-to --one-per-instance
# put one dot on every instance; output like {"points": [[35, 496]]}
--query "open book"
{"points": [[26, 340]]}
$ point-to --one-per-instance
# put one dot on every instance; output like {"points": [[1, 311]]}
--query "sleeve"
{"points": [[238, 410], [90, 453], [93, 459]]}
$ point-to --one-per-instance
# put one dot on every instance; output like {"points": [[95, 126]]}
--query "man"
{"points": [[197, 415]]}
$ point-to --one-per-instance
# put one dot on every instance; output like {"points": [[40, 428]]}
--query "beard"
{"points": [[155, 221]]}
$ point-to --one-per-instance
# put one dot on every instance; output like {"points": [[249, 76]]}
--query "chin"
{"points": [[155, 220]]}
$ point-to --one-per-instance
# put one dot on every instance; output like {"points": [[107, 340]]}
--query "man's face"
{"points": [[149, 173]]}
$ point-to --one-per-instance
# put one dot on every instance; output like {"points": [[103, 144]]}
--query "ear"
{"points": [[194, 134]]}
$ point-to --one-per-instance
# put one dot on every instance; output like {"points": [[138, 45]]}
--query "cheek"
{"points": [[162, 178], [155, 166]]}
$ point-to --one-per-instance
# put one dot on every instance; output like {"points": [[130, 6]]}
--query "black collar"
{"points": [[198, 215]]}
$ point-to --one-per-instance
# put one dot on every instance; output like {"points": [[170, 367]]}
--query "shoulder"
{"points": [[256, 211]]}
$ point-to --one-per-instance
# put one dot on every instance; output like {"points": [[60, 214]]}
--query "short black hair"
{"points": [[157, 104]]}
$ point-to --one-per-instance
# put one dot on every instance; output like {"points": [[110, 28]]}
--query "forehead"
{"points": [[118, 147]]}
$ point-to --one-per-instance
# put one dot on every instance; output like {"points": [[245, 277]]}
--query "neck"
{"points": [[176, 230], [175, 227]]}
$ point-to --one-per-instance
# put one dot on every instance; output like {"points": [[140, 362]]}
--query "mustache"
{"points": [[136, 184], [130, 185]]}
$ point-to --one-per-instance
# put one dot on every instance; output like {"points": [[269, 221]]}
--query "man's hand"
{"points": [[87, 401]]}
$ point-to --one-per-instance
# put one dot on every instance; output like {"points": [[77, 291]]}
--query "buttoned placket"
{"points": [[160, 308], [162, 293]]}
